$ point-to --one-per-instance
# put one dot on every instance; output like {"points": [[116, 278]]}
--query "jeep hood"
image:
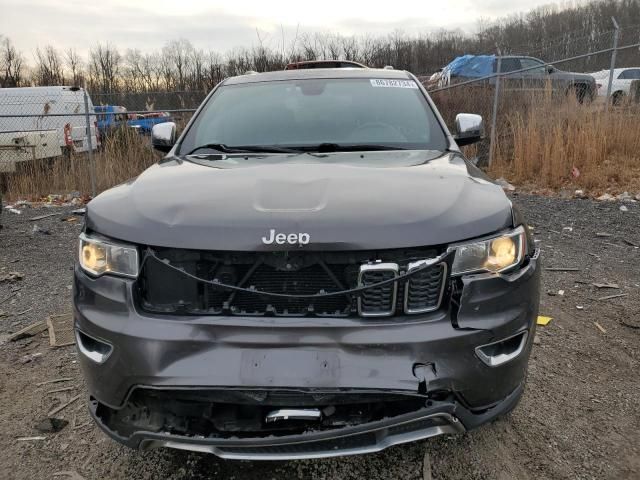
{"points": [[342, 201]]}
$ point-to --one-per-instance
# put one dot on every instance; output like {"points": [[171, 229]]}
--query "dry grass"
{"points": [[545, 140], [547, 145], [123, 155], [541, 139]]}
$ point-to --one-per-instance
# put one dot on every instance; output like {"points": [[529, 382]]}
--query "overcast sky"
{"points": [[221, 26]]}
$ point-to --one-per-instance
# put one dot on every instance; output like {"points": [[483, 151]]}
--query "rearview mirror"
{"points": [[163, 136], [469, 128]]}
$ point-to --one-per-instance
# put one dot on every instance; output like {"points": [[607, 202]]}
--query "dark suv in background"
{"points": [[313, 270]]}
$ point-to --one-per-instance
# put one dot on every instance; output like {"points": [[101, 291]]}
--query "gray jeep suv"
{"points": [[313, 270]]}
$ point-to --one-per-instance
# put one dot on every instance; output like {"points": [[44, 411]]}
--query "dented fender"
{"points": [[497, 301]]}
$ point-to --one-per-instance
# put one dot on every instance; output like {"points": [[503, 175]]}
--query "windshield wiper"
{"points": [[349, 147], [221, 147]]}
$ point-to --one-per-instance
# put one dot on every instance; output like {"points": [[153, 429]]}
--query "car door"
{"points": [[536, 77], [509, 64]]}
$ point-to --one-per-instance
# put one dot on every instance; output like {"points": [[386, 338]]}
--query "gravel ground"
{"points": [[579, 417]]}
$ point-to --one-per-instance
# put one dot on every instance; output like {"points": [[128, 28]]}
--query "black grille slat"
{"points": [[424, 289], [378, 300], [165, 291], [307, 281]]}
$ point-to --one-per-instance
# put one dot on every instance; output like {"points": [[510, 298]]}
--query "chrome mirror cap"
{"points": [[469, 128], [163, 136]]}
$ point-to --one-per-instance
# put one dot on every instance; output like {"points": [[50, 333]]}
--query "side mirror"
{"points": [[470, 129], [163, 136], [550, 69]]}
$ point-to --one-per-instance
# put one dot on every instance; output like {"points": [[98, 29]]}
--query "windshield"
{"points": [[310, 113]]}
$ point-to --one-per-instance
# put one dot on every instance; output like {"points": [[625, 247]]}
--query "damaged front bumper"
{"points": [[432, 360]]}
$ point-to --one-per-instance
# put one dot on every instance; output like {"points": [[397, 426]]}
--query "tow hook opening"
{"points": [[502, 351]]}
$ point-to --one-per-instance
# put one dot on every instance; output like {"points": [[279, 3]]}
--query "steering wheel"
{"points": [[384, 127]]}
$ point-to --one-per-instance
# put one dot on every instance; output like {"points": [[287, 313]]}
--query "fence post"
{"points": [[496, 97], [613, 61], [87, 119]]}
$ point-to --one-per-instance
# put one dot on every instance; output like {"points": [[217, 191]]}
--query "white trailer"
{"points": [[43, 122]]}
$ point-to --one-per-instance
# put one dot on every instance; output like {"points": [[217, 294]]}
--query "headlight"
{"points": [[492, 255], [97, 257]]}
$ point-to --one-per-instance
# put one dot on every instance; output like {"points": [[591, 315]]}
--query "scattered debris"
{"points": [[551, 293], [607, 197], [55, 380], [60, 330], [629, 242], [605, 285], [609, 297], [625, 197], [603, 234], [600, 327], [9, 297], [63, 406], [37, 229], [426, 467], [11, 277], [580, 307], [561, 292], [536, 340], [30, 358], [79, 211], [14, 210], [562, 269], [23, 312], [29, 331], [504, 184], [58, 390], [51, 425], [567, 229], [30, 439], [71, 474], [623, 208], [82, 425], [41, 217], [575, 173], [69, 219], [542, 320], [628, 322], [579, 194]]}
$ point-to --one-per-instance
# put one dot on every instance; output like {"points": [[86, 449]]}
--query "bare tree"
{"points": [[74, 64], [49, 68], [11, 64], [104, 68]]}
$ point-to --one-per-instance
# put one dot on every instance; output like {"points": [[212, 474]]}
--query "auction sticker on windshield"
{"points": [[385, 82]]}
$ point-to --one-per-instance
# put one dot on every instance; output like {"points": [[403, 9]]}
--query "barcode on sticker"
{"points": [[385, 82]]}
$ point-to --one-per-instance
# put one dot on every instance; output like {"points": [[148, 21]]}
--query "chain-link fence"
{"points": [[64, 138]]}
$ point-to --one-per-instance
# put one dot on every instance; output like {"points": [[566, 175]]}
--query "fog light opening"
{"points": [[94, 349], [503, 351]]}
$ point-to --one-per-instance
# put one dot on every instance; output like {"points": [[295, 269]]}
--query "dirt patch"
{"points": [[578, 418]]}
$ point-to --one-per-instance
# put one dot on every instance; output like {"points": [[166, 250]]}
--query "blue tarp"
{"points": [[470, 66]]}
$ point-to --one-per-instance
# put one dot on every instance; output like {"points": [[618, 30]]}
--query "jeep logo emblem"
{"points": [[282, 238]]}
